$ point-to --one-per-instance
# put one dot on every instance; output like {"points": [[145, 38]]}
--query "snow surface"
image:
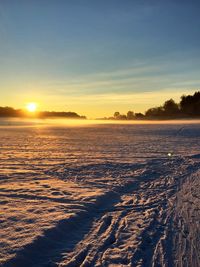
{"points": [[100, 195]]}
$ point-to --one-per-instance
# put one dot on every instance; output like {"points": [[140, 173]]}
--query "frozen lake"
{"points": [[100, 195]]}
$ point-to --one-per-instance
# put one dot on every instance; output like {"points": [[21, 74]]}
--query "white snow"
{"points": [[100, 195]]}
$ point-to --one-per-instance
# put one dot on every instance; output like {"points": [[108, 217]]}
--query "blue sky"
{"points": [[96, 57]]}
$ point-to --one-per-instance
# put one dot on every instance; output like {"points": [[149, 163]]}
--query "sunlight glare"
{"points": [[31, 107]]}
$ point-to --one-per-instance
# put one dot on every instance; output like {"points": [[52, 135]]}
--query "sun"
{"points": [[31, 107]]}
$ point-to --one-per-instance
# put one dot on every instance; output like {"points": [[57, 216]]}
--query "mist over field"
{"points": [[12, 122], [99, 194]]}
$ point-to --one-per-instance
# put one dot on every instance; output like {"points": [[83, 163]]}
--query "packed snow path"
{"points": [[100, 196]]}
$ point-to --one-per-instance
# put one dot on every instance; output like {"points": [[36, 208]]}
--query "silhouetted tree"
{"points": [[130, 115], [154, 112], [47, 114], [122, 117], [9, 112], [116, 115], [170, 108], [139, 116], [190, 105]]}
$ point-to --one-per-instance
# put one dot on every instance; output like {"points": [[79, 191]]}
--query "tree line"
{"points": [[188, 107], [11, 112]]}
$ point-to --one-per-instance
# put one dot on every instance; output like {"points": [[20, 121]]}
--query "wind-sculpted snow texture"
{"points": [[106, 195]]}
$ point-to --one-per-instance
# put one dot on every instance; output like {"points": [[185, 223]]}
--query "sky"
{"points": [[95, 57]]}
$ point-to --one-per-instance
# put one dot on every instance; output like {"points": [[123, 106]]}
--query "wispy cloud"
{"points": [[130, 98], [140, 78]]}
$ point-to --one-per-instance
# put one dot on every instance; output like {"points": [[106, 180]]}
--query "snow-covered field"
{"points": [[100, 195]]}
